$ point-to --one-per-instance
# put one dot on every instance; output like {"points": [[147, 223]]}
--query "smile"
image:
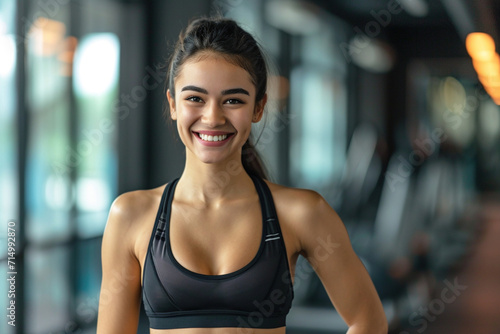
{"points": [[212, 138]]}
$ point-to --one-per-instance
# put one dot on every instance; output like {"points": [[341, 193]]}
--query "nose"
{"points": [[213, 115]]}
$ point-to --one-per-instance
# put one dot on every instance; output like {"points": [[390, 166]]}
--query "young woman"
{"points": [[214, 251]]}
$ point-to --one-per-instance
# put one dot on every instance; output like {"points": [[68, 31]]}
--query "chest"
{"points": [[215, 241]]}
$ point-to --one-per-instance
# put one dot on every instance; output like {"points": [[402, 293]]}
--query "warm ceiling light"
{"points": [[495, 95], [480, 46], [493, 91], [489, 67], [491, 80]]}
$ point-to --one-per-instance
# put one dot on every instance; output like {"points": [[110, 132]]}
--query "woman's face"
{"points": [[214, 108]]}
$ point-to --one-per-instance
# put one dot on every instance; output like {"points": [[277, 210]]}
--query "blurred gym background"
{"points": [[388, 108]]}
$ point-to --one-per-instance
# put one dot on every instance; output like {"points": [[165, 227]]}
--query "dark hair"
{"points": [[227, 39]]}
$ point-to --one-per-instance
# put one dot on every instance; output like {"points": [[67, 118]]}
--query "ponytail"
{"points": [[252, 163]]}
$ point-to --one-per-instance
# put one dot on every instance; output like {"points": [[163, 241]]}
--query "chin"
{"points": [[211, 158], [216, 157]]}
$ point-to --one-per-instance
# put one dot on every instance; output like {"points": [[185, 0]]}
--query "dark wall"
{"points": [[131, 122]]}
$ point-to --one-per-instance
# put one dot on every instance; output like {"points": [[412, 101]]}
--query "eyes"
{"points": [[198, 99], [194, 99]]}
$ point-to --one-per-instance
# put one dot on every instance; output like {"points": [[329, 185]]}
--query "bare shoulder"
{"points": [[305, 214], [132, 205], [130, 214], [303, 204]]}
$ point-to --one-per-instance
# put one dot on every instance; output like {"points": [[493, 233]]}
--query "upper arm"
{"points": [[324, 242], [120, 297]]}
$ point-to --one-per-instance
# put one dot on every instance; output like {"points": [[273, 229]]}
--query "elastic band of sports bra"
{"points": [[215, 318]]}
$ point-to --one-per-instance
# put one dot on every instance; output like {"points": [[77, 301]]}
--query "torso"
{"points": [[201, 248]]}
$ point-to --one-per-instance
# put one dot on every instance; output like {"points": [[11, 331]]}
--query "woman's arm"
{"points": [[325, 244], [120, 296]]}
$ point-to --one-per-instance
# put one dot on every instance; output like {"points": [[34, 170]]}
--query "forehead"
{"points": [[214, 73]]}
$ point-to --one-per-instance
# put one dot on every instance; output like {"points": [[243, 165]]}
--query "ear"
{"points": [[259, 109], [171, 104]]}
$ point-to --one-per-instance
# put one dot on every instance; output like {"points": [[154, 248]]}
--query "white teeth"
{"points": [[212, 138]]}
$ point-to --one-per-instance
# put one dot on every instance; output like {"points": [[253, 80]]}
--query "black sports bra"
{"points": [[259, 295]]}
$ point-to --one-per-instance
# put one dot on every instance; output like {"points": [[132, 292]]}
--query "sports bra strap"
{"points": [[164, 209], [267, 205]]}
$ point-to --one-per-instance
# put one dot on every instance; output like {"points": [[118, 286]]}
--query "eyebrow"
{"points": [[235, 91], [194, 88], [224, 92]]}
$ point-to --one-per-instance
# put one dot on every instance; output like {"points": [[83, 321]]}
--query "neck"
{"points": [[212, 183]]}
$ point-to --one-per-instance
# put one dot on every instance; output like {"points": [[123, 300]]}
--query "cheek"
{"points": [[246, 120], [185, 117]]}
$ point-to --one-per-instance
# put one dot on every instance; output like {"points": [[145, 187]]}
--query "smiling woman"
{"points": [[219, 257]]}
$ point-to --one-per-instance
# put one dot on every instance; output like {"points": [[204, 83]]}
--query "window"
{"points": [[318, 137], [70, 85], [9, 195], [96, 89], [48, 94]]}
